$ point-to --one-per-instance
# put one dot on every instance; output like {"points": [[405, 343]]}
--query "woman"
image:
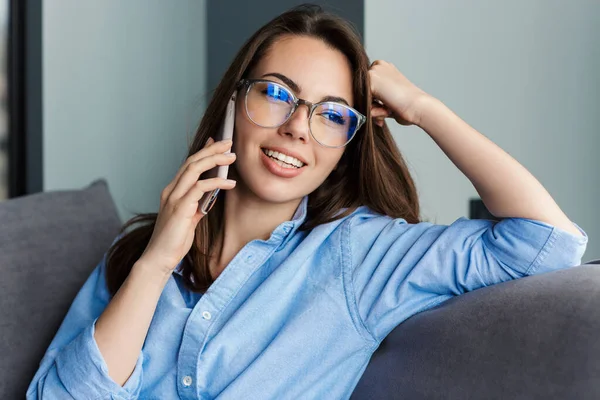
{"points": [[314, 254]]}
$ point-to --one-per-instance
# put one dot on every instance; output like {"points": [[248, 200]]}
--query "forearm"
{"points": [[505, 186], [122, 328]]}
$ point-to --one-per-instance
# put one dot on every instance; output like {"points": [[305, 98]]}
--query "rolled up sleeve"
{"points": [[512, 248], [562, 249], [73, 367], [399, 269]]}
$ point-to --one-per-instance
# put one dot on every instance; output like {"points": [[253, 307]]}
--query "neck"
{"points": [[246, 218]]}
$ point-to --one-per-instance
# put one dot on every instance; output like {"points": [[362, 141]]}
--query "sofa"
{"points": [[531, 338]]}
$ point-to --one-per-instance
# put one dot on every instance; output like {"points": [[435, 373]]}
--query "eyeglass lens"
{"points": [[269, 105]]}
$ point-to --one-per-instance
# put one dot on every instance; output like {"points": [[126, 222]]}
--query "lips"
{"points": [[285, 159], [271, 165], [286, 152]]}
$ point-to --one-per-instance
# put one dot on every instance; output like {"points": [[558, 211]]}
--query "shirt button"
{"points": [[187, 380], [206, 315]]}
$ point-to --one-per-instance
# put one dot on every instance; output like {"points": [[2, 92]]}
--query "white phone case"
{"points": [[221, 171]]}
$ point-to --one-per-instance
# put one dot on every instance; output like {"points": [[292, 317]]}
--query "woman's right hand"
{"points": [[179, 212]]}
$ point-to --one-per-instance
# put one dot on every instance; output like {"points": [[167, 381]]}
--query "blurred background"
{"points": [[115, 89]]}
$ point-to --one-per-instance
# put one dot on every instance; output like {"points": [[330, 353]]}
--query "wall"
{"points": [[122, 88], [232, 22], [525, 74]]}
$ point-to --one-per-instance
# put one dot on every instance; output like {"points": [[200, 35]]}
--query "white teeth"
{"points": [[282, 157], [284, 164]]}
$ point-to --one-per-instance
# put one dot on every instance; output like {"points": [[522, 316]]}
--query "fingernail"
{"points": [[231, 181], [210, 140], [226, 141], [230, 154]]}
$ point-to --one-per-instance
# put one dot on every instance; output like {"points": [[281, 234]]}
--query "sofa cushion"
{"points": [[49, 244]]}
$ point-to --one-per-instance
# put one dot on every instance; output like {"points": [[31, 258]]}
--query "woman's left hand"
{"points": [[400, 98]]}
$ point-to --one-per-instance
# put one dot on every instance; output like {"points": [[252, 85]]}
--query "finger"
{"points": [[222, 146], [211, 147], [377, 112], [208, 185], [374, 63], [195, 169], [402, 121], [190, 201]]}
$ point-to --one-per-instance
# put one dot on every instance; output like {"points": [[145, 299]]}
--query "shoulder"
{"points": [[366, 231], [364, 219], [364, 225]]}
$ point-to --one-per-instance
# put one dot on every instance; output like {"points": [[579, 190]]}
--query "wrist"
{"points": [[425, 105], [151, 271]]}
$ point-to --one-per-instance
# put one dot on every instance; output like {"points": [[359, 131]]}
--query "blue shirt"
{"points": [[299, 315]]}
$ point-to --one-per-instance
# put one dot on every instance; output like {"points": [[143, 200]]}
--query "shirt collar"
{"points": [[300, 214], [288, 228]]}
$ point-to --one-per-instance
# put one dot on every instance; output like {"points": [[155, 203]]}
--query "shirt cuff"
{"points": [[84, 373], [563, 249]]}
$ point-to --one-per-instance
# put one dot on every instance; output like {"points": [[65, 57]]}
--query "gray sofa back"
{"points": [[49, 244], [532, 338]]}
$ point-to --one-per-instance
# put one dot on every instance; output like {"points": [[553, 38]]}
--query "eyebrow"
{"points": [[296, 88]]}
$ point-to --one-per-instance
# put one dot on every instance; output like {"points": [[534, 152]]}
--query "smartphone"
{"points": [[221, 171]]}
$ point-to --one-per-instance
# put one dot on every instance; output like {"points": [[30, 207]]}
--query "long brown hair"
{"points": [[371, 172]]}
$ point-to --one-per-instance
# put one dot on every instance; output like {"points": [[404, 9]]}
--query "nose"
{"points": [[297, 125]]}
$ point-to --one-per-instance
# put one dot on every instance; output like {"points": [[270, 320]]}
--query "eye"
{"points": [[334, 117], [276, 93]]}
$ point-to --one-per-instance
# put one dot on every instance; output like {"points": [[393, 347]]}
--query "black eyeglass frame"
{"points": [[247, 84]]}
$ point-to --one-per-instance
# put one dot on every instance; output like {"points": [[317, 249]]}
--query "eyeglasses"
{"points": [[269, 105]]}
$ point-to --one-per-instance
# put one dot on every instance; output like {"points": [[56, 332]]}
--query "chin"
{"points": [[276, 192]]}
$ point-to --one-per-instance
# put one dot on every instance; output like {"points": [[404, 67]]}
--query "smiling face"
{"points": [[315, 72]]}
